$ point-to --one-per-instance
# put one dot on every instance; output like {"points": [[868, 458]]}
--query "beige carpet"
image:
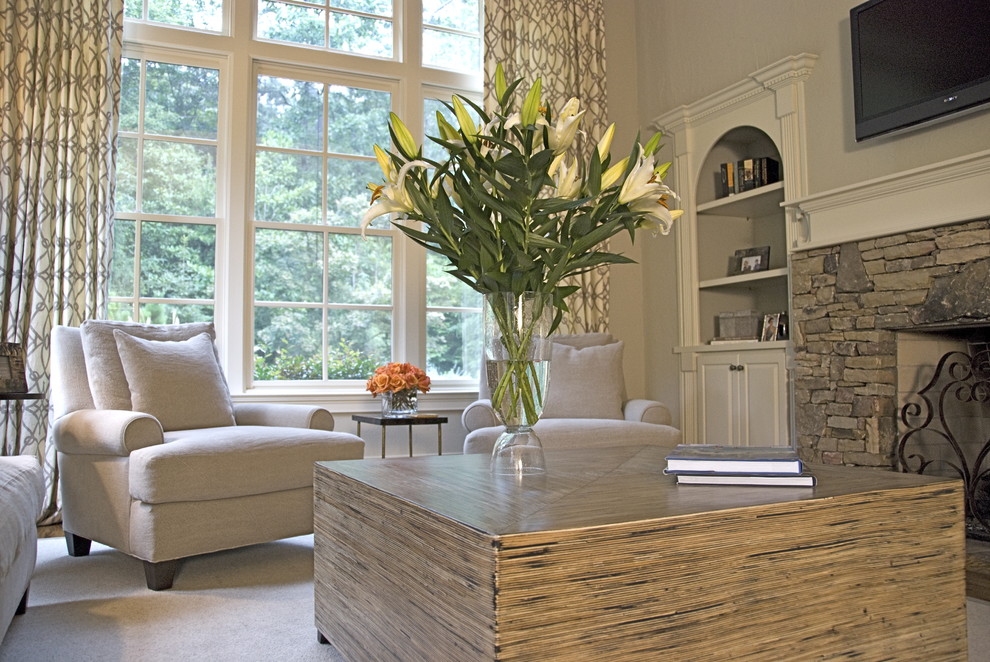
{"points": [[254, 603]]}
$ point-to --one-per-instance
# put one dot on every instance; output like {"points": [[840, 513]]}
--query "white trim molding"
{"points": [[942, 193]]}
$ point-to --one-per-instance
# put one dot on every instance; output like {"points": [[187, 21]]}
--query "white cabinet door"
{"points": [[762, 399], [717, 410], [742, 398]]}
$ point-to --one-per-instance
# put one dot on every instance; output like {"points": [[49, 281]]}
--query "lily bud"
{"points": [[531, 106], [468, 127], [403, 138], [606, 142], [612, 175]]}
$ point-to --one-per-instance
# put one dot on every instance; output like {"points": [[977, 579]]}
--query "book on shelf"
{"points": [[714, 458], [728, 179], [804, 479], [746, 179], [730, 341], [747, 174], [768, 171]]}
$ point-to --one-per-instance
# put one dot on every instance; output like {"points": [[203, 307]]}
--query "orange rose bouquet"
{"points": [[396, 377]]}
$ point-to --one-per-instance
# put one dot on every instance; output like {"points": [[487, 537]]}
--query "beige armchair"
{"points": [[586, 403], [155, 460]]}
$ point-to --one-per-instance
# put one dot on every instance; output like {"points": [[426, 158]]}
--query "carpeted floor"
{"points": [[248, 604]]}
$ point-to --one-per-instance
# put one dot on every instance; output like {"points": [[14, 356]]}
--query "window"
{"points": [[452, 34], [166, 197], [197, 14], [363, 27], [313, 271], [243, 169]]}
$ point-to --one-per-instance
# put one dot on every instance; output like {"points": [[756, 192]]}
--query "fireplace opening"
{"points": [[943, 380]]}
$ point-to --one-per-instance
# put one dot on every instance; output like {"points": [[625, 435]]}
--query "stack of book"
{"points": [[710, 464], [747, 174]]}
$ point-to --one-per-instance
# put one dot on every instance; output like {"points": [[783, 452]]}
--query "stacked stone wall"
{"points": [[847, 303]]}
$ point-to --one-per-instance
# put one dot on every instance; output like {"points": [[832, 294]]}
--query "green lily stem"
{"points": [[519, 385]]}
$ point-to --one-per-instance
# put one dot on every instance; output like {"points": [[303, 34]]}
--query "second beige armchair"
{"points": [[586, 403]]}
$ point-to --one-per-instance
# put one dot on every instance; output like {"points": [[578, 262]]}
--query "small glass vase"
{"points": [[517, 365], [396, 404]]}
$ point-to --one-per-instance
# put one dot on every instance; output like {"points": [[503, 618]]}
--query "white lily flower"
{"points": [[390, 197], [564, 131], [515, 119], [641, 182], [655, 214], [568, 180]]}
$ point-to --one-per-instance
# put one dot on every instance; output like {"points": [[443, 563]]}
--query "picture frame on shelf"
{"points": [[771, 325], [749, 260], [13, 379]]}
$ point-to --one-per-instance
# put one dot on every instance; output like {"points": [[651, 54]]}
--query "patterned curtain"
{"points": [[562, 41], [59, 92]]}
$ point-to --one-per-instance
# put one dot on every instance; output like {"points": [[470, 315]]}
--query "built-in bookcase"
{"points": [[761, 116]]}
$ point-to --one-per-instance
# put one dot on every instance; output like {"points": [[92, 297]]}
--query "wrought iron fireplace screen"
{"points": [[961, 381]]}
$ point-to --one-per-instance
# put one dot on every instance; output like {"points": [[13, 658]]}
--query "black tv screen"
{"points": [[916, 61]]}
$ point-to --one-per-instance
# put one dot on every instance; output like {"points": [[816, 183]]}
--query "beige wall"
{"points": [[668, 53]]}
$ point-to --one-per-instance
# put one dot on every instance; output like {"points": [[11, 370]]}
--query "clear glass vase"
{"points": [[517, 366], [396, 404]]}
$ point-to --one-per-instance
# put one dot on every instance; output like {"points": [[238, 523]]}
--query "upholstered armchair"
{"points": [[586, 403], [155, 460]]}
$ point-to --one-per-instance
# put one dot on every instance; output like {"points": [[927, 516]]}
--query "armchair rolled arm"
{"points": [[647, 411], [479, 414], [310, 417], [105, 432]]}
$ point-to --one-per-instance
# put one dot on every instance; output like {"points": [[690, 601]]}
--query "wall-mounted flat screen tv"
{"points": [[918, 61]]}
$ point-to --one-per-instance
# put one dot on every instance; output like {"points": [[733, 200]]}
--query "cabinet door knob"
{"points": [[733, 366]]}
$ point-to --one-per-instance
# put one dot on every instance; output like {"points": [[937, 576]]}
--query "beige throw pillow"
{"points": [[177, 382], [585, 382], [106, 374]]}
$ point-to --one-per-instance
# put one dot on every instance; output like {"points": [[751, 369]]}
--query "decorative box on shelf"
{"points": [[739, 324]]}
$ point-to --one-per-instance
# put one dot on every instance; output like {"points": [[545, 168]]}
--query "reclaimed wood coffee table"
{"points": [[605, 558]]}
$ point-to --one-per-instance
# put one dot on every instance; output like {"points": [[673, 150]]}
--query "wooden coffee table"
{"points": [[605, 558]]}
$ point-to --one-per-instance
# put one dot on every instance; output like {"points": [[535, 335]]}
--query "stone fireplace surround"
{"points": [[848, 303]]}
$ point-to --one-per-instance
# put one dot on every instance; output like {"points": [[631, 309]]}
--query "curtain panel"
{"points": [[562, 41], [59, 94]]}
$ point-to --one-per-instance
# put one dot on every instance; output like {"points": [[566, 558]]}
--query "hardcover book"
{"points": [[714, 458], [759, 480]]}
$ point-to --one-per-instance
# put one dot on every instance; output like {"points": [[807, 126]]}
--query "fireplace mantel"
{"points": [[938, 194]]}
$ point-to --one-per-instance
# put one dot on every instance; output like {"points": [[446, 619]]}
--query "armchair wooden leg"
{"points": [[77, 545], [22, 606], [159, 576]]}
